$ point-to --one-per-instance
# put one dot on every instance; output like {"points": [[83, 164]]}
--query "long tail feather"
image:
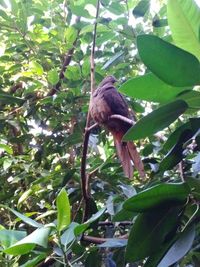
{"points": [[124, 156], [135, 156]]}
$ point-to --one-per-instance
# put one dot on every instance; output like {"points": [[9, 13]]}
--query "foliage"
{"points": [[44, 95]]}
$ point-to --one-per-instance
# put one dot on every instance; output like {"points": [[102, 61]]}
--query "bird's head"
{"points": [[108, 79]]}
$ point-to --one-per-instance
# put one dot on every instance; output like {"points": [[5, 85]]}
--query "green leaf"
{"points": [[170, 63], [141, 8], [53, 77], [24, 196], [158, 195], [70, 35], [149, 231], [160, 23], [9, 237], [7, 163], [38, 237], [175, 155], [73, 73], [116, 8], [180, 248], [68, 236], [64, 210], [184, 22], [9, 99], [150, 88], [4, 15], [173, 137], [192, 98], [156, 120], [6, 148], [37, 259], [36, 68], [82, 227], [113, 60], [23, 217], [78, 9]]}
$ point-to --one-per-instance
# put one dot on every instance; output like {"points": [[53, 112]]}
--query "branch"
{"points": [[122, 118], [67, 60], [99, 240], [84, 177]]}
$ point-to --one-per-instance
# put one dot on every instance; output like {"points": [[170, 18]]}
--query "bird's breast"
{"points": [[99, 109]]}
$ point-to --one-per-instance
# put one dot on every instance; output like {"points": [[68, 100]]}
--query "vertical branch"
{"points": [[84, 177]]}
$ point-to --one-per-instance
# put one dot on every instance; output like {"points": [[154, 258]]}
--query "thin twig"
{"points": [[100, 240], [66, 62], [122, 118], [84, 177], [181, 171]]}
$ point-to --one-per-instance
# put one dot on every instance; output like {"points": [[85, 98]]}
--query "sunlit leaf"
{"points": [[170, 63], [150, 88], [64, 210], [38, 237], [53, 77], [184, 22]]}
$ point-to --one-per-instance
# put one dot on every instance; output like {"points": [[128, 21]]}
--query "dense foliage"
{"points": [[44, 94]]}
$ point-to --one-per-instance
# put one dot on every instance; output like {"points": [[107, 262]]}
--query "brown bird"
{"points": [[107, 101]]}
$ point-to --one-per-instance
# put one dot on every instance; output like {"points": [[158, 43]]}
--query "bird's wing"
{"points": [[115, 101]]}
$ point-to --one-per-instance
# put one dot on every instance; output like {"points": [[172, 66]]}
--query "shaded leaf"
{"points": [[68, 236], [156, 196], [114, 243], [175, 155], [141, 8], [150, 228], [156, 120], [180, 247], [82, 227]]}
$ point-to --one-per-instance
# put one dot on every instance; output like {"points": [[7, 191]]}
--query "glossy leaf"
{"points": [[150, 228], [156, 196], [184, 22], [180, 248], [156, 120], [9, 237], [64, 210], [170, 63], [38, 237], [192, 98], [150, 88], [175, 155], [68, 236]]}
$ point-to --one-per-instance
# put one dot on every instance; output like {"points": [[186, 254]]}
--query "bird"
{"points": [[105, 102]]}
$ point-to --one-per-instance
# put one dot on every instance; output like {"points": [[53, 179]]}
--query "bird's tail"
{"points": [[128, 156]]}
